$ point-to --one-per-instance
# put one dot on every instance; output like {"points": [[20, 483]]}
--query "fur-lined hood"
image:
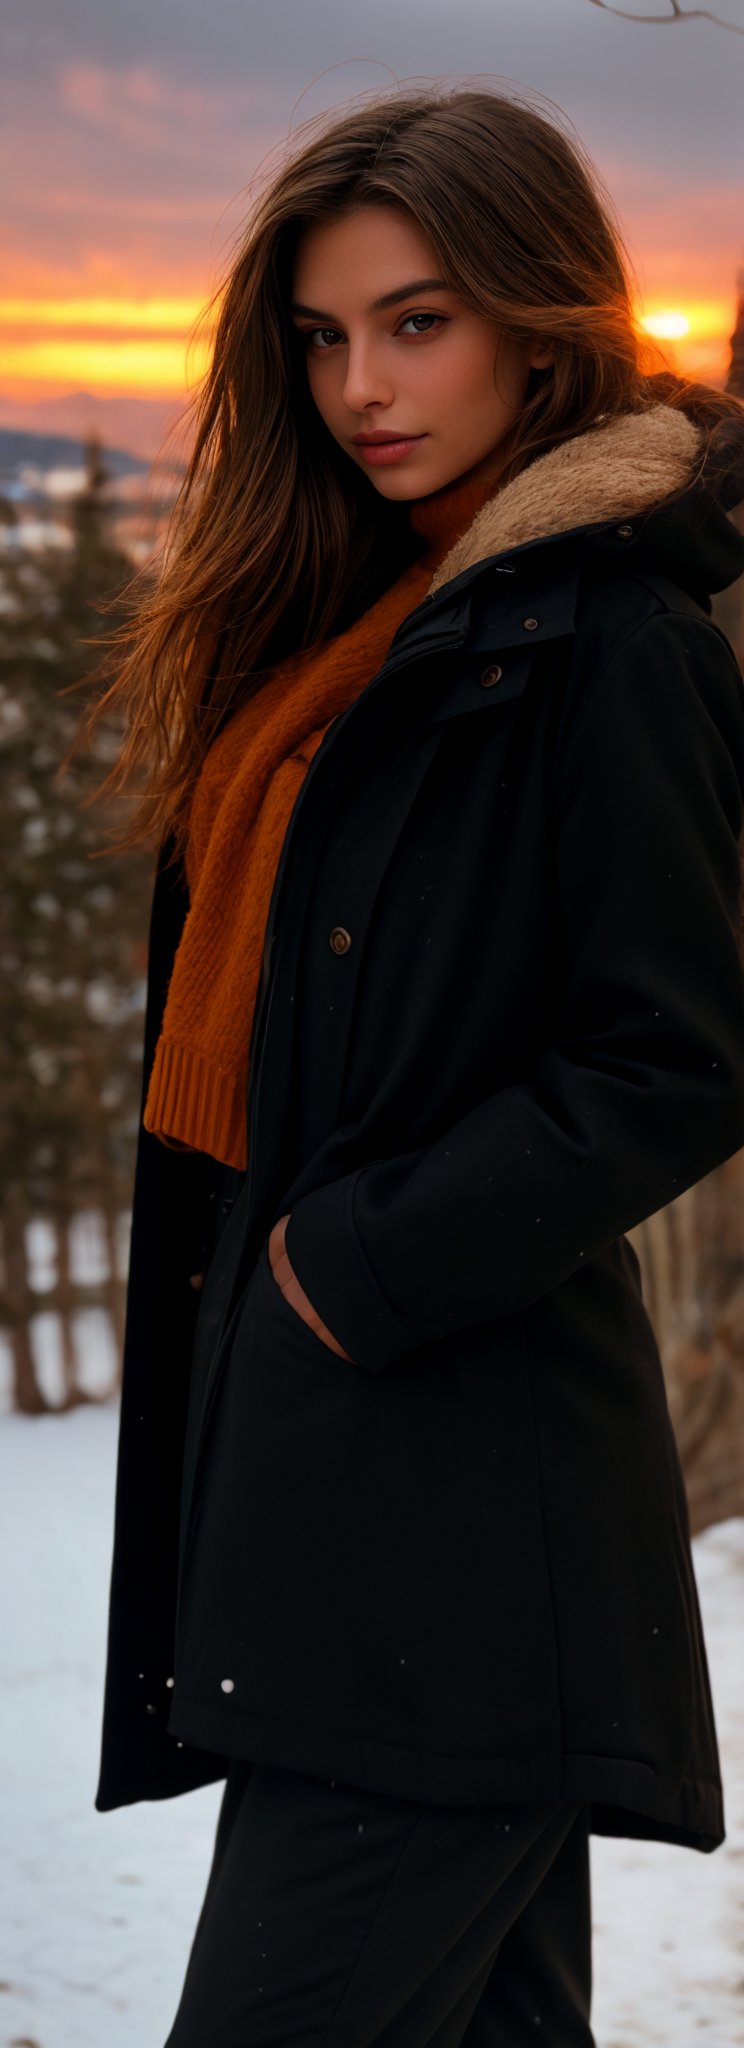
{"points": [[657, 466]]}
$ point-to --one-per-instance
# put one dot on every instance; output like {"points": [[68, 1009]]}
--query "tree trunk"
{"points": [[64, 1308], [28, 1398], [115, 1288]]}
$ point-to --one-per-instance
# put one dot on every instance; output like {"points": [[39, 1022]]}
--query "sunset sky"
{"points": [[130, 135]]}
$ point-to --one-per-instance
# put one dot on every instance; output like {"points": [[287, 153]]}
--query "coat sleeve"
{"points": [[641, 1092]]}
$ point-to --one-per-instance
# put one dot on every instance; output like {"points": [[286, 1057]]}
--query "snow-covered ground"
{"points": [[97, 1910]]}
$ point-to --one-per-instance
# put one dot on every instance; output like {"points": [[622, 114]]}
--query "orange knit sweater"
{"points": [[243, 798]]}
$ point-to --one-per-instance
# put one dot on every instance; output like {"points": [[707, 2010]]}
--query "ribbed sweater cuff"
{"points": [[196, 1103]]}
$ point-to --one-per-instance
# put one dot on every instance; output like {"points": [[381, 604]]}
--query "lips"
{"points": [[382, 454], [383, 440]]}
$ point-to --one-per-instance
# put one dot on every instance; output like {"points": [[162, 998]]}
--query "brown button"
{"points": [[530, 624], [339, 939], [491, 675], [625, 532]]}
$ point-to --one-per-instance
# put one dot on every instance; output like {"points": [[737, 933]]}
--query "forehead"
{"points": [[379, 236]]}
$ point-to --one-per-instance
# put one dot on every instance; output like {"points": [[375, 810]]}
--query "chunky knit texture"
{"points": [[243, 799]]}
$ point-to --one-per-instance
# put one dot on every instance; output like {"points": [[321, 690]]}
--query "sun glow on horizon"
{"points": [[160, 346], [174, 315]]}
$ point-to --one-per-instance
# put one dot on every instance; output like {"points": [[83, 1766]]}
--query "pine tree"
{"points": [[72, 931]]}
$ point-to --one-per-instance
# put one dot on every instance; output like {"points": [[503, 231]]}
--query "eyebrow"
{"points": [[403, 291]]}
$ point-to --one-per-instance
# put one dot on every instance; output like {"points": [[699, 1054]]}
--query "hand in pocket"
{"points": [[286, 1279]]}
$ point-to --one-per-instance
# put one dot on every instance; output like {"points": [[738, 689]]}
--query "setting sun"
{"points": [[695, 336], [666, 326]]}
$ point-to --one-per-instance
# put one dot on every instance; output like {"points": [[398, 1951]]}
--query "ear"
{"points": [[541, 355]]}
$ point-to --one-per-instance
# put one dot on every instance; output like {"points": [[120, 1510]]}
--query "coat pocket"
{"points": [[366, 1551], [263, 1325], [299, 1333]]}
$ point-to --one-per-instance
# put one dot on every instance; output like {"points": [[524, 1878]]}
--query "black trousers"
{"points": [[335, 1918]]}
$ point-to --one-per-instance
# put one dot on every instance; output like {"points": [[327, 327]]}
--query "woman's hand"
{"points": [[293, 1292]]}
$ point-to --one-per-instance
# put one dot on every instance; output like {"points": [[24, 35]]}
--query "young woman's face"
{"points": [[424, 367]]}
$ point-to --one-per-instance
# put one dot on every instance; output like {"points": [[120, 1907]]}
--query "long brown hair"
{"points": [[276, 542]]}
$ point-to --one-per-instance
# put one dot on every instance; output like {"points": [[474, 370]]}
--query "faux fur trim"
{"points": [[608, 472]]}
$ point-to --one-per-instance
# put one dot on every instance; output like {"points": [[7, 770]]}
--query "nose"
{"points": [[365, 381]]}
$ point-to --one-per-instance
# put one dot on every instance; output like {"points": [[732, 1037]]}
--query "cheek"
{"points": [[462, 373]]}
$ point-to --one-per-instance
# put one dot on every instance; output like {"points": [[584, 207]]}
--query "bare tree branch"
{"points": [[678, 14]]}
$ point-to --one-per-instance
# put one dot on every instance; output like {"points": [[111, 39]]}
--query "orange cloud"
{"points": [[136, 103]]}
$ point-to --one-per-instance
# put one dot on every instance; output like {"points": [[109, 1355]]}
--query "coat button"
{"points": [[625, 532], [491, 675], [339, 939], [530, 624], [227, 1684]]}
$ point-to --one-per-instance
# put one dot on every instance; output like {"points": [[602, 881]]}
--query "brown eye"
{"points": [[309, 332], [425, 316]]}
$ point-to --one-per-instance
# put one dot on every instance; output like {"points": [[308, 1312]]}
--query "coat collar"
{"points": [[612, 471]]}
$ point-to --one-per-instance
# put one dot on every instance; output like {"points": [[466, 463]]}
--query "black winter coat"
{"points": [[501, 1021]]}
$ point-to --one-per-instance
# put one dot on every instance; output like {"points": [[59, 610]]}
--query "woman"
{"points": [[445, 996]]}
